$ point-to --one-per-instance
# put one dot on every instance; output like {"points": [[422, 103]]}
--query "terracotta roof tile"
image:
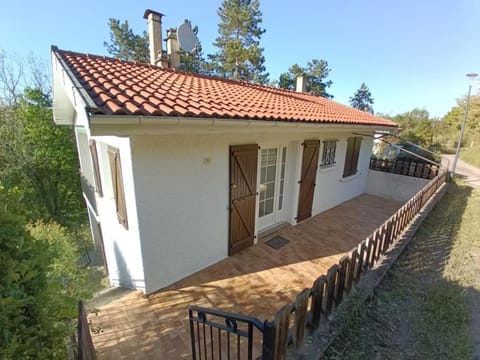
{"points": [[123, 88]]}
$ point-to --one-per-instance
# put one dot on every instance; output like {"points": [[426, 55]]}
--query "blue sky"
{"points": [[410, 53]]}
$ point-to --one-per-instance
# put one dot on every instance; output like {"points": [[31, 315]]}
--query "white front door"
{"points": [[271, 199]]}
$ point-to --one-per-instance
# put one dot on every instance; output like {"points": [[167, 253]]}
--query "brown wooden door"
{"points": [[243, 196], [307, 179]]}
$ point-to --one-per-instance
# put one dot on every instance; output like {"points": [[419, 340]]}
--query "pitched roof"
{"points": [[129, 88]]}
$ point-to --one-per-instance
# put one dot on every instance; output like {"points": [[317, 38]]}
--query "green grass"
{"points": [[420, 310], [471, 155]]}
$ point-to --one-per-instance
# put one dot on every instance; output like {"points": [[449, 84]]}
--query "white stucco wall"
{"points": [[393, 186], [182, 193], [332, 189], [122, 246]]}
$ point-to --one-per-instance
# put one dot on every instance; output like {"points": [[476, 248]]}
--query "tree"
{"points": [[40, 159], [126, 45], [240, 55], [416, 127], [453, 119], [315, 74], [39, 284], [362, 99]]}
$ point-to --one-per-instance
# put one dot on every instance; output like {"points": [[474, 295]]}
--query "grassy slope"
{"points": [[471, 155], [420, 311]]}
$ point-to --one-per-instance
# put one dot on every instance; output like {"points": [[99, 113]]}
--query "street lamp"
{"points": [[471, 76]]}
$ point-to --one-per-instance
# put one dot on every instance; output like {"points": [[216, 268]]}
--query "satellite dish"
{"points": [[186, 38]]}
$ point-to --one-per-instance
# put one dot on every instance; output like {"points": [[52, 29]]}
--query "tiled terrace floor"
{"points": [[257, 282]]}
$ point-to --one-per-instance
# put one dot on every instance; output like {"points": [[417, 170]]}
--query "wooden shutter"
{"points": [[308, 178], [117, 184], [356, 154], [243, 196], [96, 167], [351, 157]]}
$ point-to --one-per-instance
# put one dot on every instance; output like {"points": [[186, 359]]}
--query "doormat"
{"points": [[277, 242]]}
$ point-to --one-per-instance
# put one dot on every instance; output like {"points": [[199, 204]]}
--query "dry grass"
{"points": [[470, 155], [421, 309]]}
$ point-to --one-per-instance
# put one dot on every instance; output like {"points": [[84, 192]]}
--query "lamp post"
{"points": [[471, 76]]}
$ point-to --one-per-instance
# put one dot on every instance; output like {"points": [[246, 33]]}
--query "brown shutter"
{"points": [[96, 167], [349, 157], [117, 184], [356, 154], [308, 178], [243, 196]]}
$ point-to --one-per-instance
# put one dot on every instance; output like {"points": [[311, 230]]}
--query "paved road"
{"points": [[469, 173]]}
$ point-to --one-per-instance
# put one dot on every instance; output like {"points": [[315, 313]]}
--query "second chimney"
{"points": [[173, 49], [154, 35], [301, 84]]}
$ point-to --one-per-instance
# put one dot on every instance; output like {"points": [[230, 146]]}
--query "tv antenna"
{"points": [[187, 39]]}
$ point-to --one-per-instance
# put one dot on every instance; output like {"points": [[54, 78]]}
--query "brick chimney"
{"points": [[154, 36]]}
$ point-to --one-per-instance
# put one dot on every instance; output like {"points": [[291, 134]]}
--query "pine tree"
{"points": [[314, 74], [362, 99], [126, 45], [240, 55]]}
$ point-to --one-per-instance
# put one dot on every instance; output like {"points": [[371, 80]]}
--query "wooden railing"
{"points": [[405, 167], [312, 305], [328, 290], [85, 348]]}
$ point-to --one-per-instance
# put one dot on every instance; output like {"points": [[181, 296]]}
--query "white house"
{"points": [[180, 171]]}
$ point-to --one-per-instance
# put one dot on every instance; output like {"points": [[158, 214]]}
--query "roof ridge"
{"points": [[183, 72]]}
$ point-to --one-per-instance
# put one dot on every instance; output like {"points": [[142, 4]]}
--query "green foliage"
{"points": [[417, 127], [40, 282], [240, 55], [40, 159], [126, 45], [39, 285], [453, 120], [315, 74], [362, 99], [63, 256]]}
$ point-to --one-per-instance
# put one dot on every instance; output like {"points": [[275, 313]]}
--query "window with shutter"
{"points": [[117, 184], [96, 167], [351, 157]]}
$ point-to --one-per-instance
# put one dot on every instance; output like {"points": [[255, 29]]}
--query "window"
{"points": [[268, 169], [117, 184], [96, 168], [351, 157], [328, 153]]}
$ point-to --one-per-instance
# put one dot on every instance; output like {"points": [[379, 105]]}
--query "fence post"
{"points": [[301, 303], [317, 296], [342, 274], [268, 343], [282, 321], [330, 289]]}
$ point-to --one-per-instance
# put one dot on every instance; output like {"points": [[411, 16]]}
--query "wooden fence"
{"points": [[292, 322], [405, 167], [327, 292], [85, 348]]}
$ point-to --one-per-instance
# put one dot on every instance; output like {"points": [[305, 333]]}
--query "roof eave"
{"points": [[138, 124]]}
